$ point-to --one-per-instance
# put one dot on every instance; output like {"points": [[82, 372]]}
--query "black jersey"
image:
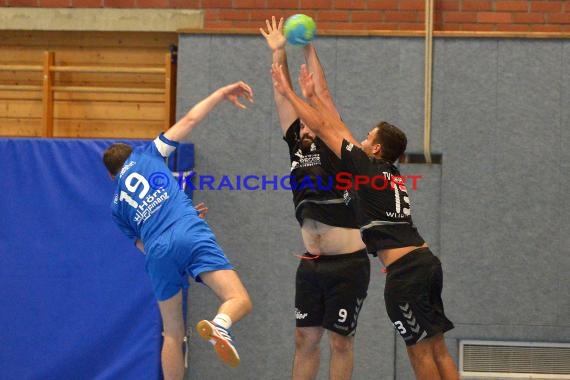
{"points": [[313, 172], [382, 204]]}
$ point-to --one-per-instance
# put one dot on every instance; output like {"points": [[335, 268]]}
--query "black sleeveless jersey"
{"points": [[382, 204], [313, 182]]}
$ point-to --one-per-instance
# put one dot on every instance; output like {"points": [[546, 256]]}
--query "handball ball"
{"points": [[300, 29]]}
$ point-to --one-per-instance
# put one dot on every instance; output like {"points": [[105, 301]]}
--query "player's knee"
{"points": [[421, 351], [247, 304], [241, 297], [307, 340], [440, 352], [176, 334], [340, 343]]}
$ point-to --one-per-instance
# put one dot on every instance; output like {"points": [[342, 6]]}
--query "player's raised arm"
{"points": [[325, 126], [308, 86], [321, 85], [276, 42], [232, 93]]}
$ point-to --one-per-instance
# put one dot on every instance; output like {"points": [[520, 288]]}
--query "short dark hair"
{"points": [[392, 139], [115, 156]]}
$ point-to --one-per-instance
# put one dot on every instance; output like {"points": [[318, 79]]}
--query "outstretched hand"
{"points": [[202, 209], [233, 92], [274, 35], [280, 81], [306, 82]]}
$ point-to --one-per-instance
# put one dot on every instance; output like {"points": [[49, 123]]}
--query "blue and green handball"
{"points": [[299, 29]]}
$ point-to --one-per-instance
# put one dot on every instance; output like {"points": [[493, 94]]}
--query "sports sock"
{"points": [[223, 320]]}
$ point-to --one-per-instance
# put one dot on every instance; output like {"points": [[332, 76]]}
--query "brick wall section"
{"points": [[404, 15]]}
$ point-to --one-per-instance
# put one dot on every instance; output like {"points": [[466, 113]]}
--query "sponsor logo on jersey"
{"points": [[347, 198], [310, 160], [150, 204], [294, 164], [306, 160], [300, 315]]}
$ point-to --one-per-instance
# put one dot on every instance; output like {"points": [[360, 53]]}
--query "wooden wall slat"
{"points": [[109, 80], [49, 39], [20, 108], [21, 127], [47, 94], [99, 129], [32, 127], [150, 57], [108, 110], [111, 56], [85, 110], [23, 78], [107, 97], [78, 96], [6, 95]]}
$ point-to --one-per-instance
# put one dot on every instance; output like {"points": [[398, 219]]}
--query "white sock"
{"points": [[223, 320]]}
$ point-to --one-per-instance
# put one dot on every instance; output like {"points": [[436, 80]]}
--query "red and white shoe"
{"points": [[222, 341]]}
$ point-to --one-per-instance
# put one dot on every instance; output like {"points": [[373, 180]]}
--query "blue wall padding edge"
{"points": [[76, 302]]}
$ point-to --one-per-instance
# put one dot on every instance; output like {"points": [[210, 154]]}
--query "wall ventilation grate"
{"points": [[523, 360]]}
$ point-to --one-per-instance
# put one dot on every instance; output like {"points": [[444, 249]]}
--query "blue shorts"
{"points": [[183, 250]]}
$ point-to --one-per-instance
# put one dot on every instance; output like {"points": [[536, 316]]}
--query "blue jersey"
{"points": [[148, 199]]}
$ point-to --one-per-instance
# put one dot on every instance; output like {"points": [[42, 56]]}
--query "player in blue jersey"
{"points": [[149, 208], [414, 279]]}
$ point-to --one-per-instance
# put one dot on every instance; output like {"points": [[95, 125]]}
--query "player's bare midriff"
{"points": [[388, 256], [322, 239]]}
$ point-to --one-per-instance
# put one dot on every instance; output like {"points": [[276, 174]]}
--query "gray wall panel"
{"points": [[366, 87], [193, 73], [528, 126], [438, 103], [409, 93], [563, 250], [469, 111]]}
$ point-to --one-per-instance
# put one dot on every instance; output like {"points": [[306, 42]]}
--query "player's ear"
{"points": [[377, 149], [111, 176]]}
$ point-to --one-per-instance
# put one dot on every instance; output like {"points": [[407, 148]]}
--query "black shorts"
{"points": [[413, 296], [330, 291]]}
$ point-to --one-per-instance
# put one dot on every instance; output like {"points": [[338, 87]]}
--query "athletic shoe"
{"points": [[222, 341]]}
